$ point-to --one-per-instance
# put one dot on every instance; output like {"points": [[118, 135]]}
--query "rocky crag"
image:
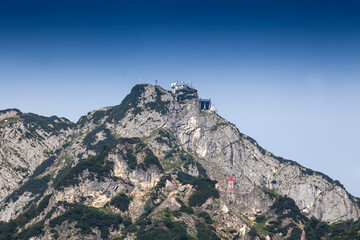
{"points": [[155, 166]]}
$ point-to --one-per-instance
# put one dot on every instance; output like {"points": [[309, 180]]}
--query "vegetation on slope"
{"points": [[90, 139], [43, 166], [36, 186], [164, 228], [9, 230], [151, 159], [165, 137], [121, 201], [303, 169], [100, 167], [204, 188], [205, 232], [158, 105], [285, 217], [48, 124], [89, 217], [130, 101], [184, 95]]}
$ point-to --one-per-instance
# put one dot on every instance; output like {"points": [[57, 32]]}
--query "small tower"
{"points": [[230, 178]]}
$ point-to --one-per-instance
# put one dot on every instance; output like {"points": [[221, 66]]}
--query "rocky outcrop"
{"points": [[27, 140]]}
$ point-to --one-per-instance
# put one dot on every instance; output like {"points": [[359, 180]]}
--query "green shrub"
{"points": [[185, 178], [121, 201], [61, 174], [48, 124], [162, 182], [100, 167], [8, 230], [134, 140], [33, 185], [166, 134], [153, 233], [270, 192], [170, 153], [97, 165], [170, 230], [151, 159], [44, 203], [345, 230], [184, 208], [205, 188], [186, 157], [165, 137], [314, 229], [140, 147], [263, 151], [176, 213], [295, 234], [90, 139], [201, 169], [56, 235], [285, 207], [130, 159], [89, 217], [253, 233], [32, 231], [260, 218], [219, 125], [184, 95], [206, 217], [97, 116], [43, 166], [204, 232], [130, 101], [81, 122], [159, 105]]}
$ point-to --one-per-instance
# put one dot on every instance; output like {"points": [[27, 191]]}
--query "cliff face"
{"points": [[155, 165], [224, 149], [27, 140]]}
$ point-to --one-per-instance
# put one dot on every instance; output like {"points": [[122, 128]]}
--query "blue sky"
{"points": [[285, 72]]}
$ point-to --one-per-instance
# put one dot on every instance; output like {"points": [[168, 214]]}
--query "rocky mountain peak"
{"points": [[157, 165], [6, 115]]}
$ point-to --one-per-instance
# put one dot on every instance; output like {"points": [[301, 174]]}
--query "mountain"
{"points": [[156, 167]]}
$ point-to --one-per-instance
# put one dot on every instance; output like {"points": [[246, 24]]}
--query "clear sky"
{"points": [[287, 72]]}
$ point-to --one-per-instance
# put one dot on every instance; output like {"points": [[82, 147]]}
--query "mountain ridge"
{"points": [[180, 139]]}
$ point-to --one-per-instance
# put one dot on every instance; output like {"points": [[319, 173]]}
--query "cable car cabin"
{"points": [[204, 104]]}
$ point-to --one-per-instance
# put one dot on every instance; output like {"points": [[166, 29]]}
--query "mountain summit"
{"points": [[161, 165]]}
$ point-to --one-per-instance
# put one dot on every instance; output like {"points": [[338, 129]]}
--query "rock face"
{"points": [[164, 159], [26, 141]]}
